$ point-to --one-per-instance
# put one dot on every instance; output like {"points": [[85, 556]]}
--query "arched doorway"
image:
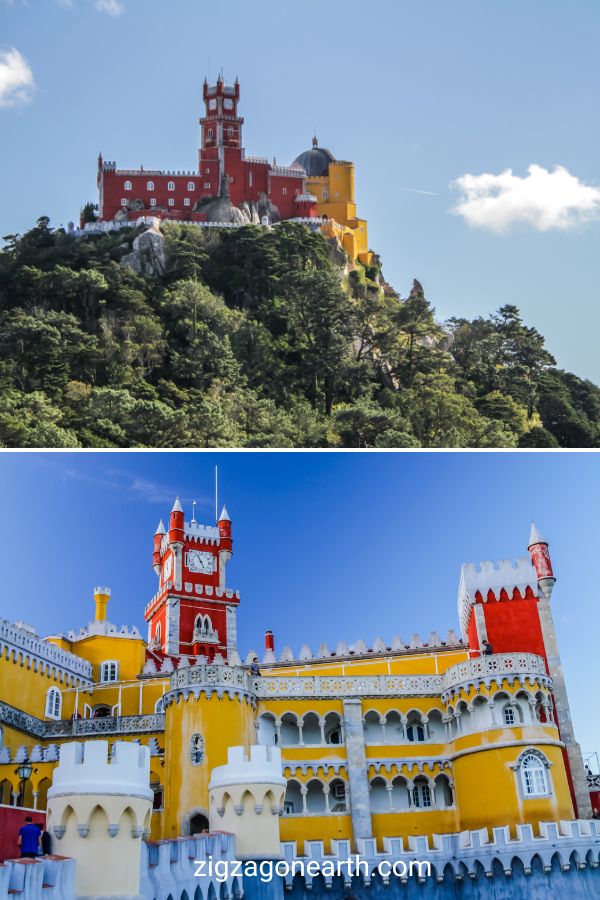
{"points": [[198, 824]]}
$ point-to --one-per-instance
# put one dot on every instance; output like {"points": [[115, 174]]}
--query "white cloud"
{"points": [[112, 7], [542, 199], [16, 78]]}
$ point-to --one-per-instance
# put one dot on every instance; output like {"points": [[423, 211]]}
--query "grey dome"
{"points": [[315, 162]]}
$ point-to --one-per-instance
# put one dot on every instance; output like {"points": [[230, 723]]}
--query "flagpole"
{"points": [[216, 493]]}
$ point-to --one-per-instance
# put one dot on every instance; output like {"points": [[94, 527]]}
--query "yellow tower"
{"points": [[331, 181], [209, 708]]}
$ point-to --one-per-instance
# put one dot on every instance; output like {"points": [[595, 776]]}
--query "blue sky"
{"points": [[327, 546], [417, 94]]}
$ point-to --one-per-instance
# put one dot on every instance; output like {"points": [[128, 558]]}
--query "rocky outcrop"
{"points": [[221, 209], [149, 253]]}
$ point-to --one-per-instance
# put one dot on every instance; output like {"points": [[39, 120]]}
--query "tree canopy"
{"points": [[256, 337]]}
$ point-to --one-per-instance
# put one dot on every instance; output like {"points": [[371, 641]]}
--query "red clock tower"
{"points": [[193, 612]]}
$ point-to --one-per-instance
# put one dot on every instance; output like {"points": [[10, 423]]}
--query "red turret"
{"points": [[158, 536], [224, 526], [540, 557], [176, 524], [269, 640]]}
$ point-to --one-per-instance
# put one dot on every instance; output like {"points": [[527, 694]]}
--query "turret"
{"points": [[225, 544], [176, 526], [99, 807], [540, 557], [158, 536], [269, 641], [246, 799], [101, 598], [224, 526]]}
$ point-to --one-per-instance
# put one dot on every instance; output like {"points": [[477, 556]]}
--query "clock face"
{"points": [[228, 104], [212, 104], [200, 561]]}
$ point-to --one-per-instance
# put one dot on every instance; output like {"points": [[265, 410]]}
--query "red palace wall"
{"points": [[11, 819], [512, 625], [113, 190]]}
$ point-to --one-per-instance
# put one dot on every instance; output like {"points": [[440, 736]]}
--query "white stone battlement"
{"points": [[23, 645], [377, 647], [102, 590], [263, 765], [89, 768], [46, 878], [467, 852], [208, 533], [487, 576], [105, 628]]}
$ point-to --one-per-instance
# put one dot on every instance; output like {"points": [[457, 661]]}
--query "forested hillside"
{"points": [[256, 337]]}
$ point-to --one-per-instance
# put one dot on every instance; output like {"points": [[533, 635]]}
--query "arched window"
{"points": [[128, 186], [421, 794], [109, 671], [415, 730], [509, 715], [149, 185], [53, 703], [293, 805], [533, 775], [230, 132], [191, 186], [171, 186], [442, 792], [203, 625], [197, 749], [158, 633], [325, 195], [210, 133], [337, 796], [378, 795]]}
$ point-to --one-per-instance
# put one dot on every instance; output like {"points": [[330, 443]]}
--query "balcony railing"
{"points": [[43, 729], [105, 725], [494, 666]]}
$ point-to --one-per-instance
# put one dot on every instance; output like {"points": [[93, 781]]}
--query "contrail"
{"points": [[415, 191]]}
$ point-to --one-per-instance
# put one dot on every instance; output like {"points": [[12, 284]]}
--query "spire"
{"points": [[177, 507], [535, 537], [224, 517], [315, 142], [161, 528]]}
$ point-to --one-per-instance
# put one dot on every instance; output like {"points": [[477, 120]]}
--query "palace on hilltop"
{"points": [[230, 188], [378, 741]]}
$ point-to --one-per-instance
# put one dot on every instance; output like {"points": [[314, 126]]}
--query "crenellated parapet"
{"points": [[47, 878], [505, 579], [568, 846], [364, 649], [170, 868], [22, 646]]}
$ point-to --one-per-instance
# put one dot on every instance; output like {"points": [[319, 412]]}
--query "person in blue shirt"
{"points": [[29, 839]]}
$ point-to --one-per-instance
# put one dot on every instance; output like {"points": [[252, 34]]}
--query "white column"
{"points": [[322, 727], [389, 788]]}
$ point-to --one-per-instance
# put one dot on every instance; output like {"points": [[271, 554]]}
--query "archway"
{"points": [[198, 824]]}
